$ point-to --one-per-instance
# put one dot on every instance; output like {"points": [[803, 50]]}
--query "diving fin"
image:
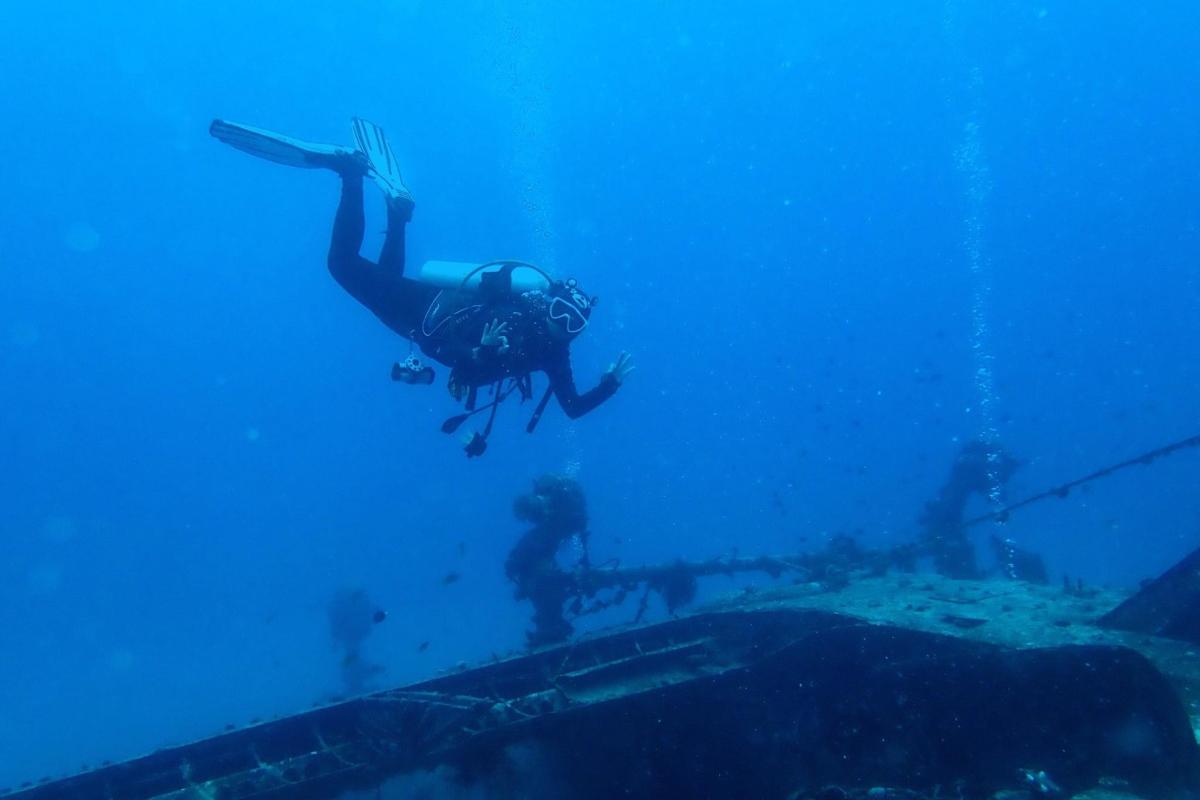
{"points": [[385, 170], [277, 147], [455, 422]]}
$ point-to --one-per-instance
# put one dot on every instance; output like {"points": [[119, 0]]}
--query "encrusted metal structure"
{"points": [[916, 681], [360, 742], [900, 680]]}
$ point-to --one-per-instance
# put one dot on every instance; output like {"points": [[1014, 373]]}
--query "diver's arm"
{"points": [[562, 381]]}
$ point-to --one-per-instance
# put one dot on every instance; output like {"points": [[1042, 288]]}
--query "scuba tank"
{"points": [[467, 288], [465, 276]]}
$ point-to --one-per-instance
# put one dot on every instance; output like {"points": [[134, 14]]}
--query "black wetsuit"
{"points": [[402, 304]]}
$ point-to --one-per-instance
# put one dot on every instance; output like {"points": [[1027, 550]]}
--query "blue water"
{"points": [[812, 224]]}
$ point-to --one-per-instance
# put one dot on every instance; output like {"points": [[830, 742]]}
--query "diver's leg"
{"points": [[362, 279], [349, 224], [400, 303], [391, 257], [384, 170]]}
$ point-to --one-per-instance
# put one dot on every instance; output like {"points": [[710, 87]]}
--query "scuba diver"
{"points": [[352, 619], [492, 324]]}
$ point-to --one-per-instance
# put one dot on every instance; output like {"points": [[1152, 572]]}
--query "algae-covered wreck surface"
{"points": [[900, 685], [1012, 614]]}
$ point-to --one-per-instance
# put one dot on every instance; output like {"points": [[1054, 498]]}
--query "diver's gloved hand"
{"points": [[620, 369], [493, 336]]}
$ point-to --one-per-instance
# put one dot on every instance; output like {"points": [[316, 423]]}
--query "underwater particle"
{"points": [[81, 238], [45, 579], [423, 646], [586, 228], [23, 334], [450, 578], [58, 529], [253, 434], [120, 660]]}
